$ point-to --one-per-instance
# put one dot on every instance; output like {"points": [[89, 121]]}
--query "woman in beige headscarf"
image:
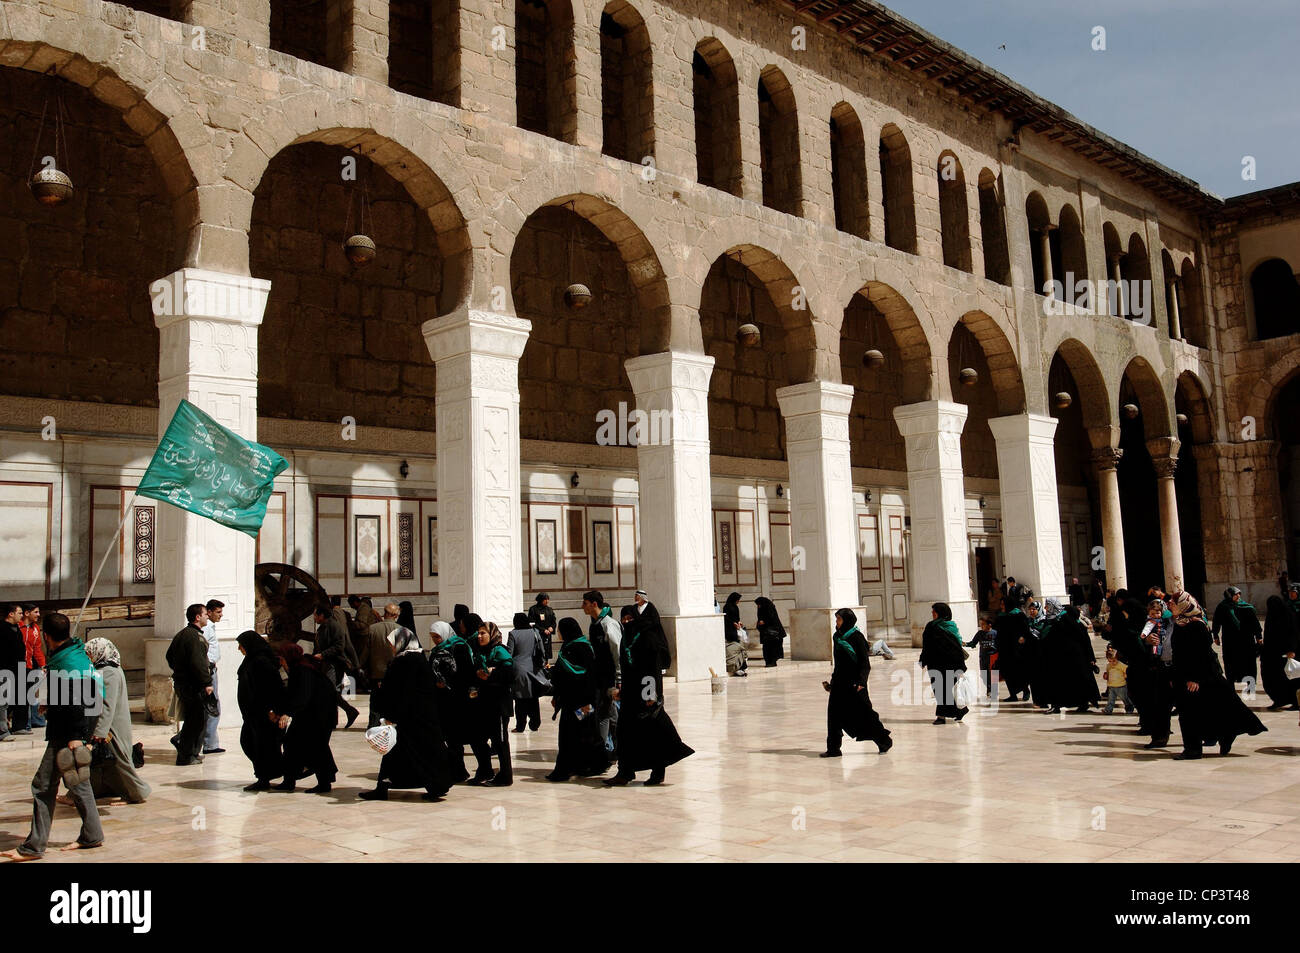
{"points": [[116, 777]]}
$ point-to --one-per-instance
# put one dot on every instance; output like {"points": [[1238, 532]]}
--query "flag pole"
{"points": [[103, 562]]}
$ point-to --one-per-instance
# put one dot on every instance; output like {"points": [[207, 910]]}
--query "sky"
{"points": [[1197, 85]]}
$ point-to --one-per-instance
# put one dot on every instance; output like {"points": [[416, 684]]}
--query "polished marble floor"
{"points": [[1005, 785]]}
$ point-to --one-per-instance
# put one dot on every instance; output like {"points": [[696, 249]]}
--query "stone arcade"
{"points": [[440, 405]]}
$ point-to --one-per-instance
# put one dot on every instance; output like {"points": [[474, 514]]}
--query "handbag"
{"points": [[1292, 668], [540, 681], [382, 737]]}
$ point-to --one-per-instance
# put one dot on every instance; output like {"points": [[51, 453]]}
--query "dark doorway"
{"points": [[1139, 509], [984, 575]]}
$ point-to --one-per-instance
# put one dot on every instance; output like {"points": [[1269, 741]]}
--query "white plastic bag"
{"points": [[382, 737], [963, 693], [1292, 668]]}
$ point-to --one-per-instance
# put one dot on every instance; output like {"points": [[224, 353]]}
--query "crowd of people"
{"points": [[462, 685], [1160, 658]]}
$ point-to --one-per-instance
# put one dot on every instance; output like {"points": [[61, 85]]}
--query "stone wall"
{"points": [[339, 340], [75, 316]]}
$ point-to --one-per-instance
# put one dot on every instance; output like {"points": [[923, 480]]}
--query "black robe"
{"points": [[1280, 637], [945, 658], [1143, 667], [543, 618], [647, 738], [261, 691], [453, 695], [1014, 657], [581, 750], [312, 702], [1068, 662], [1214, 712], [408, 698], [1238, 627], [771, 633], [849, 707]]}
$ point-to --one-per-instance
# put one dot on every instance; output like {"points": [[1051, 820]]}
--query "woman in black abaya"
{"points": [[261, 696], [1015, 651], [1069, 663], [942, 653], [309, 716], [1280, 644], [734, 633], [408, 698], [1209, 709], [771, 633], [647, 738], [848, 710], [1237, 626], [1126, 624], [573, 682]]}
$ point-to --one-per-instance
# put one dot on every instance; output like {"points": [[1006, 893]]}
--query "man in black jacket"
{"points": [[334, 651], [13, 655], [192, 679], [73, 703]]}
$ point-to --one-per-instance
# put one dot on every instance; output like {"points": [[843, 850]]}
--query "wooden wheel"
{"points": [[285, 596]]}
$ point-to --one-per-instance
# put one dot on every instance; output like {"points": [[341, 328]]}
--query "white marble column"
{"points": [[1171, 538], [936, 502], [1031, 516], [480, 555], [676, 508], [823, 526], [1106, 461], [207, 330]]}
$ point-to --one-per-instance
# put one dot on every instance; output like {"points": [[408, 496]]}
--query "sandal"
{"points": [[74, 765]]}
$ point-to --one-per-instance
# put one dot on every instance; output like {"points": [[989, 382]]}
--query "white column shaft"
{"points": [[1031, 516]]}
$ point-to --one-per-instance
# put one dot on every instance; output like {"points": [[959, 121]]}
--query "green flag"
{"points": [[202, 467]]}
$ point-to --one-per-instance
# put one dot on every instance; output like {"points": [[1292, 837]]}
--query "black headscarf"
{"points": [[628, 611], [406, 617], [569, 629], [254, 645], [521, 620], [1071, 613], [848, 620], [460, 612], [733, 599], [541, 597], [943, 611]]}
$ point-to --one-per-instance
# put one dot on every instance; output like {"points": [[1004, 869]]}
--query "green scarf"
{"points": [[951, 628], [450, 642], [568, 662], [71, 660], [842, 639], [603, 612]]}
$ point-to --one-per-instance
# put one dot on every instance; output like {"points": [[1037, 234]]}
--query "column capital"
{"points": [[212, 296], [931, 416], [1034, 427], [1165, 467], [487, 333], [815, 397], [669, 369], [1106, 458]]}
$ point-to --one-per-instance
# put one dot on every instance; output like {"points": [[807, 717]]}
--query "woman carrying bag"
{"points": [[942, 653], [771, 633]]}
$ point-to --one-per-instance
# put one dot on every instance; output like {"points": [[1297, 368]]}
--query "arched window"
{"points": [[1192, 306], [993, 230], [298, 29], [544, 68], [896, 190], [1040, 256], [778, 133], [849, 171], [954, 218], [1137, 279], [424, 49], [1275, 296], [626, 83], [717, 117], [1074, 259]]}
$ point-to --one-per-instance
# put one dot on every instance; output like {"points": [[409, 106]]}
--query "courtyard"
{"points": [[1011, 785]]}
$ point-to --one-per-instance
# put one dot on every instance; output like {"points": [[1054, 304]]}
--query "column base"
{"points": [[811, 630], [965, 614], [158, 680], [696, 642]]}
